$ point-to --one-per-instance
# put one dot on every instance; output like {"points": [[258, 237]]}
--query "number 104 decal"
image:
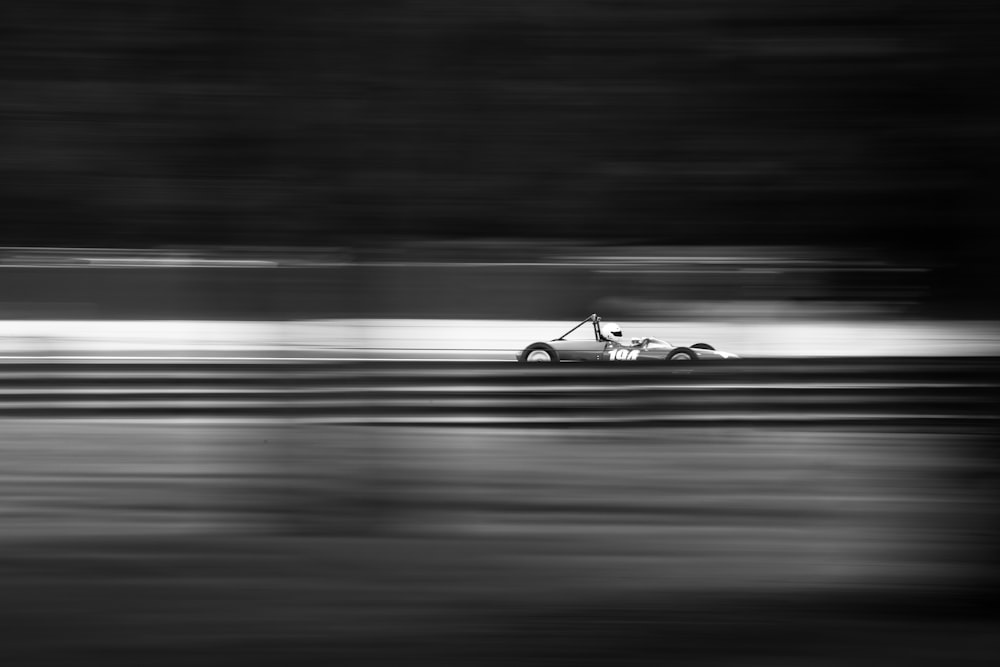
{"points": [[623, 355]]}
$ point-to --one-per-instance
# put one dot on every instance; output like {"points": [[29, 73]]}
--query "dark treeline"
{"points": [[311, 122]]}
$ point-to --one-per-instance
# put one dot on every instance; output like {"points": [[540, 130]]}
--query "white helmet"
{"points": [[611, 331]]}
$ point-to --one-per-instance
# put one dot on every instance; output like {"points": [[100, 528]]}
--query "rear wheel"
{"points": [[539, 354], [682, 354]]}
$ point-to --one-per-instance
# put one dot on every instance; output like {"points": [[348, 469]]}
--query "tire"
{"points": [[702, 346], [539, 354], [682, 355]]}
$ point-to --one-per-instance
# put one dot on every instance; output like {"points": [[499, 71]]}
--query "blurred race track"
{"points": [[478, 340], [801, 511]]}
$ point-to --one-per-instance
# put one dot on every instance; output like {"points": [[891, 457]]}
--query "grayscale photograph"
{"points": [[636, 333]]}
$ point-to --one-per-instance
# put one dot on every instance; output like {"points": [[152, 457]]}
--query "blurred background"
{"points": [[238, 243]]}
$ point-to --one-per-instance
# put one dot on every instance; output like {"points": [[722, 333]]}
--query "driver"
{"points": [[612, 333]]}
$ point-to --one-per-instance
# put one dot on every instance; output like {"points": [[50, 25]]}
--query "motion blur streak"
{"points": [[750, 391], [216, 513], [472, 340]]}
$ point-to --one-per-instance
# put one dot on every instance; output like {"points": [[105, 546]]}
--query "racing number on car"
{"points": [[624, 355]]}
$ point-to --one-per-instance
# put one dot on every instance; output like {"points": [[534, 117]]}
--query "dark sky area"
{"points": [[312, 122]]}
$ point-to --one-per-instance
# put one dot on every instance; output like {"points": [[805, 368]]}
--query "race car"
{"points": [[607, 346]]}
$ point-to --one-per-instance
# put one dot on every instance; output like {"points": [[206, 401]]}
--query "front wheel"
{"points": [[539, 354], [682, 354], [702, 346]]}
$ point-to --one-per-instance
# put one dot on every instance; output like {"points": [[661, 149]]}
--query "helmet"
{"points": [[611, 331]]}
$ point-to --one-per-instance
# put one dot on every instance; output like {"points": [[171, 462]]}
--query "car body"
{"points": [[601, 349]]}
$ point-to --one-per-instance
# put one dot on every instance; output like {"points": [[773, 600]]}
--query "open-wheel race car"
{"points": [[607, 345]]}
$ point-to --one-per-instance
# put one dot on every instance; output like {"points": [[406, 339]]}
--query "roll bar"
{"points": [[592, 318]]}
